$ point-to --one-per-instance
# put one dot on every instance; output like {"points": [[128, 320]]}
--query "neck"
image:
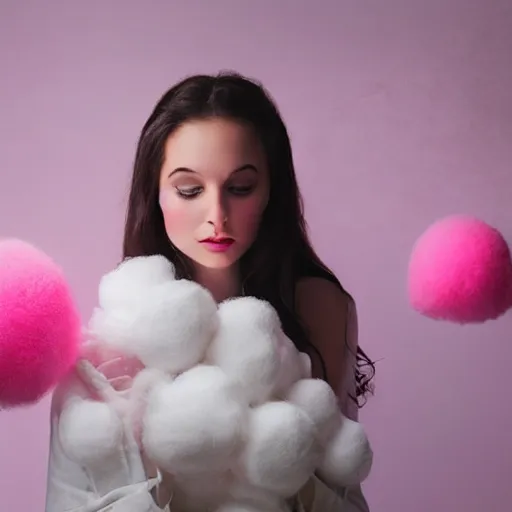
{"points": [[221, 283]]}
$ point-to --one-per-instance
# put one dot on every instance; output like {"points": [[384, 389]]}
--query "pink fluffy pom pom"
{"points": [[461, 271], [40, 327]]}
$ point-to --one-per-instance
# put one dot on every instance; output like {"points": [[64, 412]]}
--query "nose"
{"points": [[218, 214]]}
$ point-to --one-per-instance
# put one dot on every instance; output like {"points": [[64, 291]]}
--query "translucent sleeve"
{"points": [[118, 485]]}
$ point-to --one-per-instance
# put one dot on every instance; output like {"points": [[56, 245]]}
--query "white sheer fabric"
{"points": [[117, 484]]}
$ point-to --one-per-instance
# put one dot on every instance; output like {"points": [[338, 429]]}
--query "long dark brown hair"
{"points": [[282, 253]]}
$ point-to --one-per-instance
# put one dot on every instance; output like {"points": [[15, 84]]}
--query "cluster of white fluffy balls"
{"points": [[230, 408]]}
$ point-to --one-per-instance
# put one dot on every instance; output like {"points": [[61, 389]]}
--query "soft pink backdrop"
{"points": [[400, 112]]}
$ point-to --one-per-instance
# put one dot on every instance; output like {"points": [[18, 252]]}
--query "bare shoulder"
{"points": [[323, 309], [321, 305], [311, 289]]}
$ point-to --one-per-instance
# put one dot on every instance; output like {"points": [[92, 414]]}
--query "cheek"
{"points": [[248, 218], [179, 218]]}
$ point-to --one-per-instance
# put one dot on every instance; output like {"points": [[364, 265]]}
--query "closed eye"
{"points": [[241, 190], [192, 192], [188, 192]]}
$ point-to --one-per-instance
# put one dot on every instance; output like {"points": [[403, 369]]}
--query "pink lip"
{"points": [[218, 246]]}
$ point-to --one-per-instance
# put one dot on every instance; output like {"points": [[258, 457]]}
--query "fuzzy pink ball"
{"points": [[460, 270], [40, 327]]}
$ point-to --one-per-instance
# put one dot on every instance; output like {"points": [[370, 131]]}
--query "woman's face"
{"points": [[214, 187]]}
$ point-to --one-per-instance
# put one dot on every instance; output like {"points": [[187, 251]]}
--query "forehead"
{"points": [[213, 145]]}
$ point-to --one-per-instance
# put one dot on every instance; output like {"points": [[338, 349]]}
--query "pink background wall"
{"points": [[400, 113]]}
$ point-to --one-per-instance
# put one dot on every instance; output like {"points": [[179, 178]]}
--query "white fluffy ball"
{"points": [[169, 330], [292, 366], [307, 370], [245, 346], [201, 491], [348, 457], [125, 285], [89, 431], [194, 424], [317, 399], [281, 451]]}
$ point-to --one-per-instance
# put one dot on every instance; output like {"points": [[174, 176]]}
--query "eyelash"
{"points": [[191, 193]]}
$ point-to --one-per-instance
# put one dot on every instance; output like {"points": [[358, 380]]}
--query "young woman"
{"points": [[214, 190]]}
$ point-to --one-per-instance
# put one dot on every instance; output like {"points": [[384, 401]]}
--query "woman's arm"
{"points": [[329, 317], [323, 309]]}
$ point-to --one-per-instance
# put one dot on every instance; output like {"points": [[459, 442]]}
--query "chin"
{"points": [[215, 261]]}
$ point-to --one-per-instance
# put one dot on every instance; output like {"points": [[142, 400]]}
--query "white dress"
{"points": [[121, 484]]}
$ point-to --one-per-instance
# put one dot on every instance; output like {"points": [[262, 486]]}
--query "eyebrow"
{"points": [[191, 171]]}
